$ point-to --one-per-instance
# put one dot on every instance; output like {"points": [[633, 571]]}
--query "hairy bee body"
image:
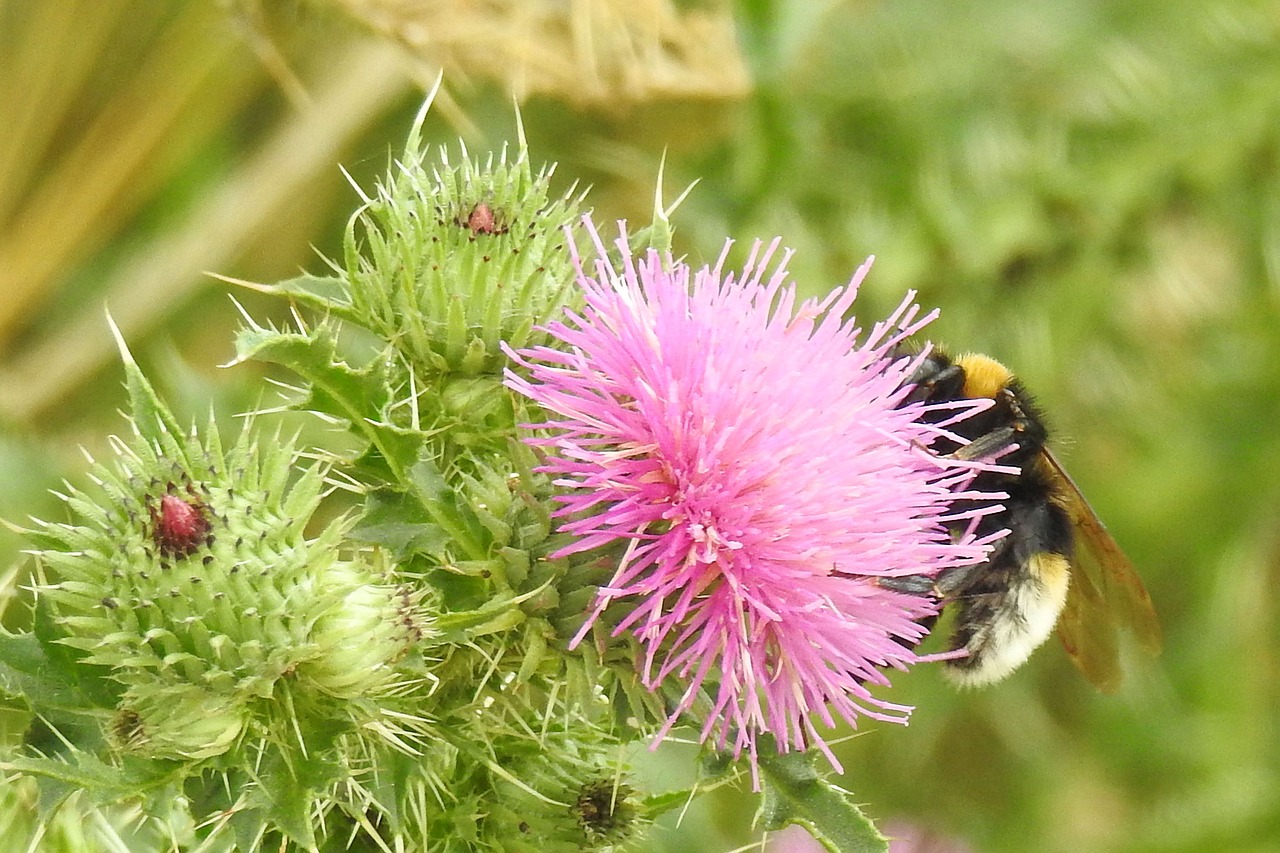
{"points": [[1008, 605]]}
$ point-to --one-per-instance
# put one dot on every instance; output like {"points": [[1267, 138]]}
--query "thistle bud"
{"points": [[178, 723], [603, 811], [371, 627], [448, 260], [188, 571], [606, 810]]}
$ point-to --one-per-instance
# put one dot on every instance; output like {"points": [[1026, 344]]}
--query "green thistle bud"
{"points": [[359, 640], [562, 792], [178, 722], [188, 572], [446, 261], [601, 813], [476, 405], [607, 811]]}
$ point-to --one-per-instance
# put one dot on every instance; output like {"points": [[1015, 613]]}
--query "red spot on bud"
{"points": [[179, 526], [482, 220]]}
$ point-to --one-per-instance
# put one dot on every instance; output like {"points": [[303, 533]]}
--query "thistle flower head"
{"points": [[756, 463]]}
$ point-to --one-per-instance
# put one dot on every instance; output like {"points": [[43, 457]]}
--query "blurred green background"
{"points": [[1090, 191]]}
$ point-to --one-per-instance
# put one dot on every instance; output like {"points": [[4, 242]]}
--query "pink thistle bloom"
{"points": [[758, 461]]}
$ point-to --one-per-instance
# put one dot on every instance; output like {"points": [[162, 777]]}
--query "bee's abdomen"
{"points": [[1012, 604]]}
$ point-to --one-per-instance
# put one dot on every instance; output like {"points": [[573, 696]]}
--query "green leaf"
{"points": [[92, 681], [443, 506], [105, 783], [656, 805], [44, 674], [794, 792], [290, 808], [250, 826], [501, 613], [287, 789], [360, 396], [395, 521], [328, 294], [390, 788], [25, 670]]}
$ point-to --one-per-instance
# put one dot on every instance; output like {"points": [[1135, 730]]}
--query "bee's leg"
{"points": [[948, 583], [1020, 428], [951, 583], [943, 587], [989, 444], [910, 584]]}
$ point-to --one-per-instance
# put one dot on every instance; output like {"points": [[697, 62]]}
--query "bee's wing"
{"points": [[1088, 631], [1105, 592]]}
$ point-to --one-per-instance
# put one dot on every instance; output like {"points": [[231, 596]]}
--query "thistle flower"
{"points": [[757, 460]]}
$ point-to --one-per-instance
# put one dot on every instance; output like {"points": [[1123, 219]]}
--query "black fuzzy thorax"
{"points": [[1031, 507]]}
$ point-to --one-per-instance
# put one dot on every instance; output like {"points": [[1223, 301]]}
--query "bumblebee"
{"points": [[1035, 577]]}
